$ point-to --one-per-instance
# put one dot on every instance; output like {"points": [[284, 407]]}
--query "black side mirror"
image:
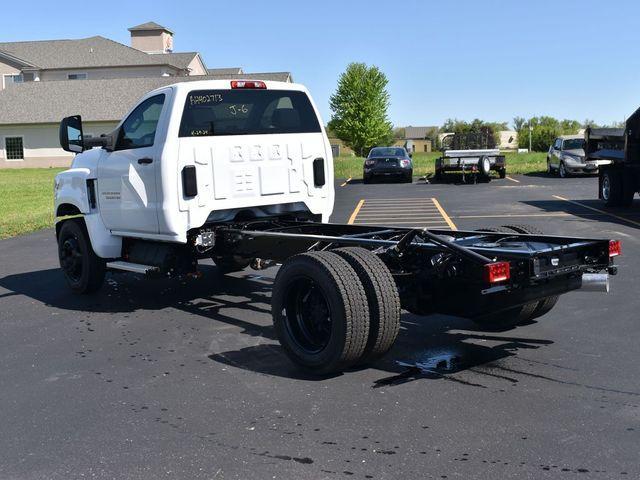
{"points": [[410, 154], [71, 136]]}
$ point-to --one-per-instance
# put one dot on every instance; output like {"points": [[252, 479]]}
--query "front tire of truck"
{"points": [[82, 268], [383, 299], [320, 312], [230, 263]]}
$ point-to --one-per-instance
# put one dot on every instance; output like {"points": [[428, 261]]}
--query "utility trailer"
{"points": [[473, 154], [619, 180], [237, 172]]}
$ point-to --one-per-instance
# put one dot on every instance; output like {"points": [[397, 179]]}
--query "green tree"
{"points": [[359, 108]]}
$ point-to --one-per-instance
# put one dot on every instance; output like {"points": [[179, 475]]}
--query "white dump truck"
{"points": [[241, 172]]}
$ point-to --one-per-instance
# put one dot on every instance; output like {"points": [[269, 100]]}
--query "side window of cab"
{"points": [[139, 129], [558, 144]]}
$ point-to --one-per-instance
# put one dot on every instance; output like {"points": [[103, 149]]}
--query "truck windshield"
{"points": [[573, 144], [247, 112]]}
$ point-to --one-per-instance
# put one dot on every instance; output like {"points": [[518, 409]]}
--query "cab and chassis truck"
{"points": [[241, 172]]}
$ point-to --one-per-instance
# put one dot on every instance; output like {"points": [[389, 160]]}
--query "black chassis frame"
{"points": [[436, 271]]}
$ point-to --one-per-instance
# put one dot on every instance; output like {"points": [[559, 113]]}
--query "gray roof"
{"points": [[180, 60], [149, 26], [95, 100], [418, 132], [82, 53], [224, 71]]}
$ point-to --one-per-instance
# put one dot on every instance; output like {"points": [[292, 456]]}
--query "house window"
{"points": [[13, 148], [76, 76], [9, 79]]}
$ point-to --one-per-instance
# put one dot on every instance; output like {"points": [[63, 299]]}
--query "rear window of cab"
{"points": [[247, 112]]}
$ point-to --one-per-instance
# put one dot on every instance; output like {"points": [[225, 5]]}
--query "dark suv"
{"points": [[388, 162]]}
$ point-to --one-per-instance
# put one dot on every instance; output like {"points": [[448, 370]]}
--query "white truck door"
{"points": [[126, 177]]}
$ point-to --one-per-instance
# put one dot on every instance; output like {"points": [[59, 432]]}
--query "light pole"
{"points": [[530, 130]]}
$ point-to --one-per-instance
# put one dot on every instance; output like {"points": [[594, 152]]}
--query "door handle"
{"points": [[145, 160]]}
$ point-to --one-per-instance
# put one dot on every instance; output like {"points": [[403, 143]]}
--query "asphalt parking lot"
{"points": [[170, 379]]}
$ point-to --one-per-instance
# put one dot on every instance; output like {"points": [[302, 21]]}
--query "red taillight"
{"points": [[615, 248], [248, 84], [497, 272], [405, 163]]}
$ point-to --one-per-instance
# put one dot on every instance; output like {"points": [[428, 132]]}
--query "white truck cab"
{"points": [[196, 153]]}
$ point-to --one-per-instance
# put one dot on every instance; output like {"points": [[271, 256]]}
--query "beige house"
{"points": [[98, 78]]}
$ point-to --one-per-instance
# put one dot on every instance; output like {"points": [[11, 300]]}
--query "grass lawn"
{"points": [[423, 164], [26, 200]]}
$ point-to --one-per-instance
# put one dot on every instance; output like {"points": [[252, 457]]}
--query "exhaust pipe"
{"points": [[595, 282]]}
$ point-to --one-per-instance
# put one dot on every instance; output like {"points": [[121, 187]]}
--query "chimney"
{"points": [[151, 38]]}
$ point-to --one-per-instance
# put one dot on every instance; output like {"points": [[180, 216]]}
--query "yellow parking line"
{"points": [[617, 217], [452, 225], [512, 179], [346, 181], [353, 216]]}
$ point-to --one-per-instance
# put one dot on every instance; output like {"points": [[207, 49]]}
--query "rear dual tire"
{"points": [[512, 317], [616, 189], [334, 310]]}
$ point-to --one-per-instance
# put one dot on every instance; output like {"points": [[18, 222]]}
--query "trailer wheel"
{"points": [[82, 268], [320, 312], [382, 296], [502, 173], [484, 166], [522, 228], [230, 263]]}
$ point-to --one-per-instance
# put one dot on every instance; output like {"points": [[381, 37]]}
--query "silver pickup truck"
{"points": [[473, 154]]}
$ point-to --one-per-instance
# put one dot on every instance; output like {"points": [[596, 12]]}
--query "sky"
{"points": [[463, 59]]}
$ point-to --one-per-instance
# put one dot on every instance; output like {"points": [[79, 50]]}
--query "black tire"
{"points": [[523, 228], [513, 317], [408, 178], [320, 312], [437, 176], [383, 299], [366, 180], [611, 190], [507, 319], [83, 270], [484, 166], [230, 263], [562, 171], [544, 306], [502, 173]]}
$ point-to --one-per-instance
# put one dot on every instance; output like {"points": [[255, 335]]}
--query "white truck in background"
{"points": [[241, 172]]}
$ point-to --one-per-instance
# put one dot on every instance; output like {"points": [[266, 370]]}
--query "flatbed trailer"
{"points": [[474, 155]]}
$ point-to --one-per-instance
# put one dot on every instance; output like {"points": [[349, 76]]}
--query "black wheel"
{"points": [[366, 180], [382, 296], [437, 176], [408, 178], [523, 228], [611, 188], [562, 171], [507, 319], [502, 173], [544, 306], [82, 268], [230, 263], [320, 312], [513, 317]]}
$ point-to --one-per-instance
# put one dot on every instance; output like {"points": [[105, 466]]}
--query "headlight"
{"points": [[369, 163]]}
